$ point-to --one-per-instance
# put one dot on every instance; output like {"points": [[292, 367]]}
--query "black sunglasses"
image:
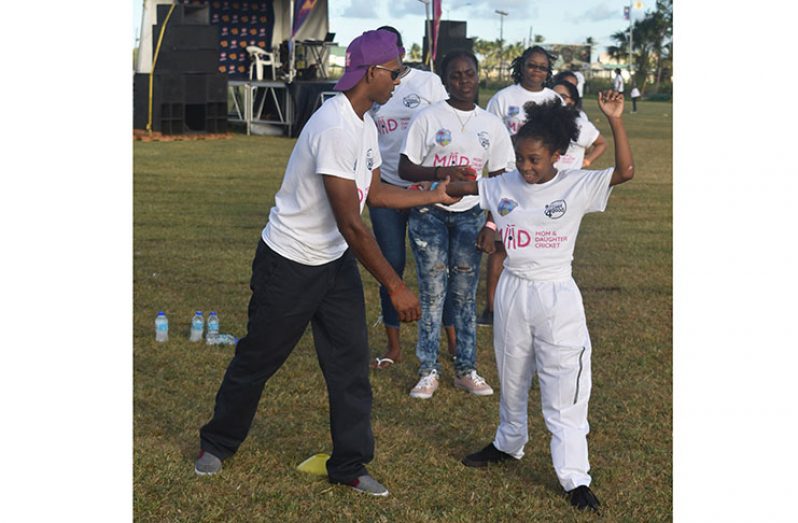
{"points": [[543, 68], [394, 72]]}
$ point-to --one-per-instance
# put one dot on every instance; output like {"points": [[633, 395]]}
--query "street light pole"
{"points": [[631, 68], [501, 14]]}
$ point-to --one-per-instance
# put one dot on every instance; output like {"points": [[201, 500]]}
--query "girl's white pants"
{"points": [[539, 326]]}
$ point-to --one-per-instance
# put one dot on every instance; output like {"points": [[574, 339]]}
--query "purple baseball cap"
{"points": [[370, 48]]}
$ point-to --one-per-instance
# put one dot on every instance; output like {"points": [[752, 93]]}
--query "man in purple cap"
{"points": [[305, 270]]}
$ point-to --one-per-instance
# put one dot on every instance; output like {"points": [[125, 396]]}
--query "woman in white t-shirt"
{"points": [[531, 72], [590, 144], [540, 325], [456, 139], [417, 90]]}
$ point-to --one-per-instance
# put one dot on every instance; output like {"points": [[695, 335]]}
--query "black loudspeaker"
{"points": [[446, 45], [451, 36], [184, 37], [189, 94], [185, 14], [181, 103], [452, 29]]}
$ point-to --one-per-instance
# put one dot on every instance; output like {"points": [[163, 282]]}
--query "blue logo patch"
{"points": [[555, 209], [513, 110], [506, 206], [411, 101], [484, 139], [443, 137]]}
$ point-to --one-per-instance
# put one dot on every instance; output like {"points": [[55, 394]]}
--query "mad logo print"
{"points": [[506, 206], [555, 209]]}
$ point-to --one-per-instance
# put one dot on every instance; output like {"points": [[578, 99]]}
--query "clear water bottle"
{"points": [[221, 339], [213, 325], [161, 327], [197, 326]]}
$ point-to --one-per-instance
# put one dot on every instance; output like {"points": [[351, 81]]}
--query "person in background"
{"points": [[617, 82], [571, 78], [580, 83], [417, 90], [531, 72], [453, 139], [305, 271], [540, 323], [635, 94], [590, 145]]}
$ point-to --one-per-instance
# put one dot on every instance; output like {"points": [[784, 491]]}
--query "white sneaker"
{"points": [[426, 386], [473, 383]]}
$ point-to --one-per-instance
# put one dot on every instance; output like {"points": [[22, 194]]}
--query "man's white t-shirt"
{"points": [[539, 222], [417, 90], [617, 83], [508, 104], [575, 155], [441, 135], [334, 142]]}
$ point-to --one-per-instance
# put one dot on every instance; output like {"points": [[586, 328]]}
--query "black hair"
{"points": [[617, 71], [562, 75], [394, 31], [573, 92], [517, 66], [451, 56], [552, 123]]}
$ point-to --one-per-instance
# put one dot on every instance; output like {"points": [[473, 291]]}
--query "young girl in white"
{"points": [[539, 324], [531, 72], [590, 144]]}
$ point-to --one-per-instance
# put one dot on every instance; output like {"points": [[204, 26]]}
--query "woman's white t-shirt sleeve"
{"points": [[588, 134], [502, 154], [415, 146]]}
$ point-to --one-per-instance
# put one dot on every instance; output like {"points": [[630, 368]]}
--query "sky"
{"points": [[557, 21]]}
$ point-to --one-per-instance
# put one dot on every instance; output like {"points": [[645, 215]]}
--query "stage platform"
{"points": [[281, 104]]}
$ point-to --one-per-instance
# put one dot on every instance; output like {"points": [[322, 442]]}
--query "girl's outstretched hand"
{"points": [[611, 103]]}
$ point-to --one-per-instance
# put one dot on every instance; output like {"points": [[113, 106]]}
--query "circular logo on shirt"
{"points": [[513, 110], [506, 206], [369, 159], [443, 137], [411, 101], [484, 139], [555, 209]]}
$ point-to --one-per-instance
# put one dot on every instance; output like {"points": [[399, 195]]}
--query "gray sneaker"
{"points": [[473, 383], [368, 485], [207, 464]]}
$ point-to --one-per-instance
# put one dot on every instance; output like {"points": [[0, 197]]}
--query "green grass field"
{"points": [[199, 207]]}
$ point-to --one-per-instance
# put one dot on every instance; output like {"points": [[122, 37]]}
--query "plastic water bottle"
{"points": [[213, 325], [197, 325], [221, 339], [161, 327]]}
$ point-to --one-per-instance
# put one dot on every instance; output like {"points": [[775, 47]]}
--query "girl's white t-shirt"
{"points": [[416, 91], [538, 223], [575, 155], [441, 135], [508, 104], [334, 142]]}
